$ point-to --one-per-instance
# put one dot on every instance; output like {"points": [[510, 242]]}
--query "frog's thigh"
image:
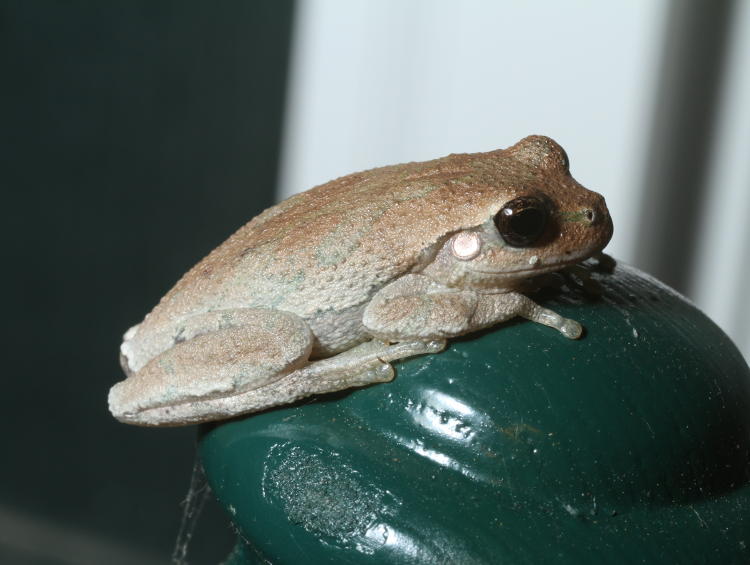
{"points": [[249, 348], [364, 364]]}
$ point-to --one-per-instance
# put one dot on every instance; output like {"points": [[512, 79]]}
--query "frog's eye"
{"points": [[521, 221]]}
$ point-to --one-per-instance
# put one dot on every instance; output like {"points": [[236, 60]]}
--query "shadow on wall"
{"points": [[681, 140]]}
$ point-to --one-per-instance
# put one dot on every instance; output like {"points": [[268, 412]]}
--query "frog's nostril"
{"points": [[594, 215]]}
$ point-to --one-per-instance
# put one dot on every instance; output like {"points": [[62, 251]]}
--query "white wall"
{"points": [[376, 83], [389, 81]]}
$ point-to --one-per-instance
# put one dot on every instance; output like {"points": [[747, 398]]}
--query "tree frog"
{"points": [[321, 292]]}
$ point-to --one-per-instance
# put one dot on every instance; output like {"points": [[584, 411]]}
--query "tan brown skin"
{"points": [[323, 254], [457, 191]]}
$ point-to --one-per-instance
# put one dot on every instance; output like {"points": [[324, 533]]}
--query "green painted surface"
{"points": [[514, 446]]}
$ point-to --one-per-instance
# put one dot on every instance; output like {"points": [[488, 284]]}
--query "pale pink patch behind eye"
{"points": [[466, 245]]}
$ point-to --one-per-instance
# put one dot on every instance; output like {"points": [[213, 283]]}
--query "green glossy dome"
{"points": [[513, 446]]}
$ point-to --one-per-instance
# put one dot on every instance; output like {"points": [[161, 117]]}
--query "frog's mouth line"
{"points": [[541, 269]]}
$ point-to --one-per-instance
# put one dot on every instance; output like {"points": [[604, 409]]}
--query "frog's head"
{"points": [[538, 220]]}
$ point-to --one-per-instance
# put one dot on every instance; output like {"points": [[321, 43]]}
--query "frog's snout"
{"points": [[589, 222], [595, 215]]}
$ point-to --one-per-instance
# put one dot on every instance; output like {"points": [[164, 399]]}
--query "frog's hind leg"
{"points": [[365, 364], [226, 352]]}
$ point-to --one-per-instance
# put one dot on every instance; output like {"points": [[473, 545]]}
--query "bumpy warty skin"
{"points": [[330, 248], [323, 254]]}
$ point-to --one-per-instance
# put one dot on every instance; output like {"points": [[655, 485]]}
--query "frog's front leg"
{"points": [[415, 307], [495, 308]]}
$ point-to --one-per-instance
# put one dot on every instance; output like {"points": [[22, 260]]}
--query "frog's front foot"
{"points": [[571, 329], [513, 304]]}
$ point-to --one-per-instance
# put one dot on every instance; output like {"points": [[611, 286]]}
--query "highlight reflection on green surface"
{"points": [[514, 446]]}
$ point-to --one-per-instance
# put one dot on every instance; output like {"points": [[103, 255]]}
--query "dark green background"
{"points": [[135, 136]]}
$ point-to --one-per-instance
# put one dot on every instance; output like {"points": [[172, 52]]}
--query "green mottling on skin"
{"points": [[283, 230], [468, 178], [418, 192], [175, 294], [226, 320], [166, 364], [242, 374], [285, 287], [343, 239], [339, 244], [270, 324], [579, 216], [171, 393]]}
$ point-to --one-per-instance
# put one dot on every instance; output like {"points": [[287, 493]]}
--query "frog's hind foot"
{"points": [[363, 365], [367, 363]]}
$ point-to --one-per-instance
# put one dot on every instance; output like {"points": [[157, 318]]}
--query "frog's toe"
{"points": [[381, 373], [435, 345], [571, 329], [374, 373]]}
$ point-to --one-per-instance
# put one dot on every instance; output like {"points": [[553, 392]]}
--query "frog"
{"points": [[324, 291]]}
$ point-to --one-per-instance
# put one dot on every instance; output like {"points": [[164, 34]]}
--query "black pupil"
{"points": [[527, 222], [522, 221]]}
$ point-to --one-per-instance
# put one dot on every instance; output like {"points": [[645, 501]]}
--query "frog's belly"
{"points": [[337, 331]]}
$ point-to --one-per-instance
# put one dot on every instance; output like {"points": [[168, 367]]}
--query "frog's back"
{"points": [[331, 247]]}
